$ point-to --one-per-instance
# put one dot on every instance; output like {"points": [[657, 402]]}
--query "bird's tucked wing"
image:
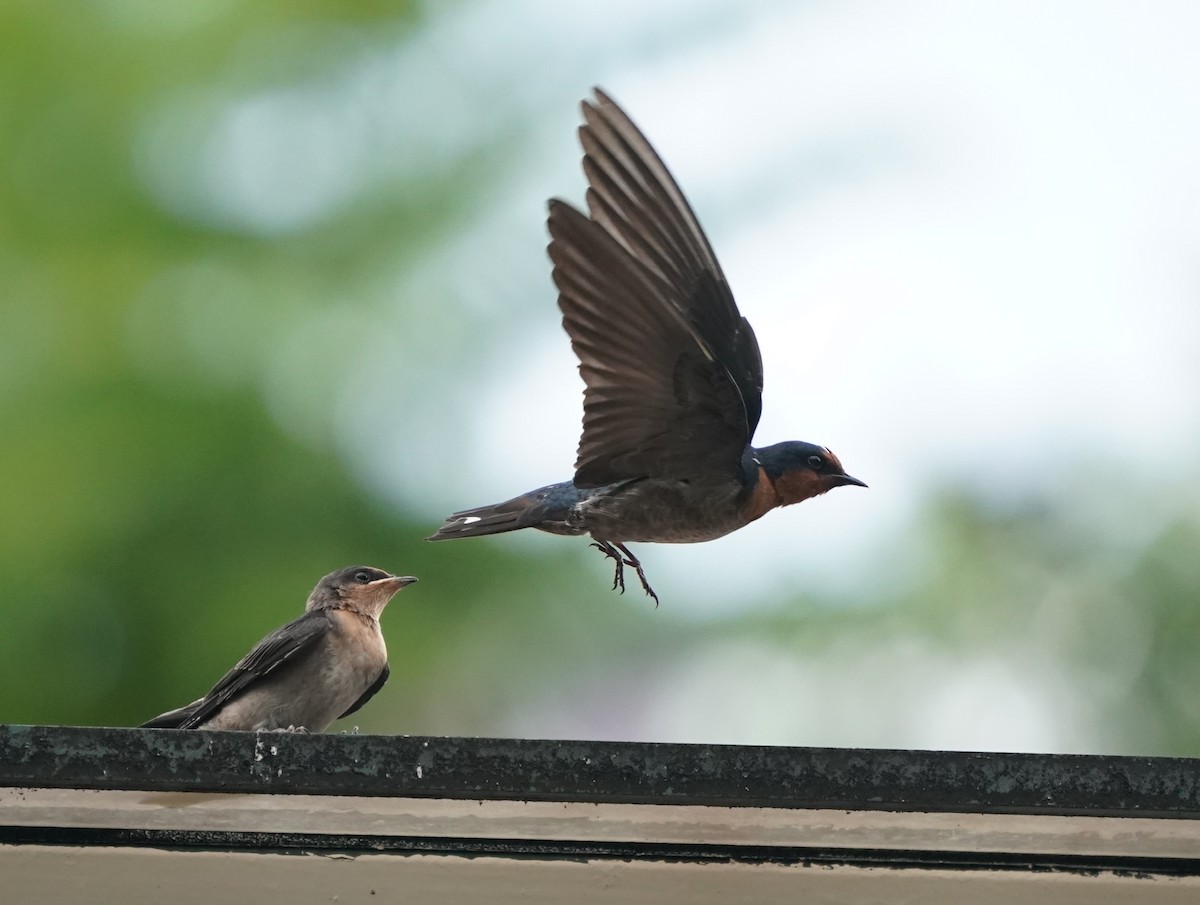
{"points": [[370, 692], [172, 718], [284, 646], [646, 283]]}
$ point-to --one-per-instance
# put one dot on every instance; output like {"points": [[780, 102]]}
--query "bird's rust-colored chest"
{"points": [[791, 487], [762, 499]]}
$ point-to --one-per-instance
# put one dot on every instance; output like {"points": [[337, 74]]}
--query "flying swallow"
{"points": [[672, 371], [312, 671]]}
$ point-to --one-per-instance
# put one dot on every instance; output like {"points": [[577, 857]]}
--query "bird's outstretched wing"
{"points": [[280, 649], [673, 371]]}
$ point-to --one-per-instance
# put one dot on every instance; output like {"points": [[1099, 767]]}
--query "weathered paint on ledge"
{"points": [[522, 769]]}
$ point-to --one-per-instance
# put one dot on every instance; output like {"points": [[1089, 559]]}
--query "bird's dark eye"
{"points": [[816, 463], [362, 577]]}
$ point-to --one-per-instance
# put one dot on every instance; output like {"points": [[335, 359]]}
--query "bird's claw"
{"points": [[619, 572], [621, 558]]}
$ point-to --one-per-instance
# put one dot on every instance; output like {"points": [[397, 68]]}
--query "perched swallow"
{"points": [[672, 371], [312, 671]]}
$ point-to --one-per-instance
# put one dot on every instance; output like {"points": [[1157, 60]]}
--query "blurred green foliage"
{"points": [[156, 519]]}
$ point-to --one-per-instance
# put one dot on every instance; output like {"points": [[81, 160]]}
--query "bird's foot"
{"points": [[632, 560], [621, 557], [619, 572], [303, 730]]}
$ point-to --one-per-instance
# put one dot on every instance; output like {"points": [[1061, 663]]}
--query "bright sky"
{"points": [[967, 237], [966, 234]]}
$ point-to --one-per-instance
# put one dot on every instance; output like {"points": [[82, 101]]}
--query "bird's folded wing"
{"points": [[172, 718], [673, 371], [284, 646]]}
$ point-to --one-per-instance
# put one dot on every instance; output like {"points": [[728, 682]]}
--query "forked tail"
{"points": [[546, 508]]}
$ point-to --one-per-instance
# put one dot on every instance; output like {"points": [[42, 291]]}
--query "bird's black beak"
{"points": [[839, 480]]}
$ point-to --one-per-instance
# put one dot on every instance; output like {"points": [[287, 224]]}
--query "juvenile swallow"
{"points": [[672, 371], [312, 671]]}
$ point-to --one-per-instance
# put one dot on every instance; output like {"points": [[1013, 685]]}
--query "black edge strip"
{"points": [[471, 847], [518, 769]]}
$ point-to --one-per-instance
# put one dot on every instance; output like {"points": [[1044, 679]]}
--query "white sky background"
{"points": [[966, 235]]}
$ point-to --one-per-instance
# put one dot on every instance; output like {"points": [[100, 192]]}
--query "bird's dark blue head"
{"points": [[802, 470]]}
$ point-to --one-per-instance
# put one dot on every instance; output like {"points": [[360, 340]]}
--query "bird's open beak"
{"points": [[393, 584], [839, 480]]}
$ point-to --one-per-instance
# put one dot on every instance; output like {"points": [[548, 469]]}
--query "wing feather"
{"points": [[673, 371], [278, 649]]}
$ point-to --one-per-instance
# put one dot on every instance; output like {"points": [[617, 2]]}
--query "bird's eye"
{"points": [[362, 577], [816, 463]]}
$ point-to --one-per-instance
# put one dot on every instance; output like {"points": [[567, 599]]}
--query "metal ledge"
{"points": [[614, 772], [462, 815]]}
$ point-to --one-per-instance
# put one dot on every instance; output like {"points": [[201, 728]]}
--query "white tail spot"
{"points": [[471, 519]]}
